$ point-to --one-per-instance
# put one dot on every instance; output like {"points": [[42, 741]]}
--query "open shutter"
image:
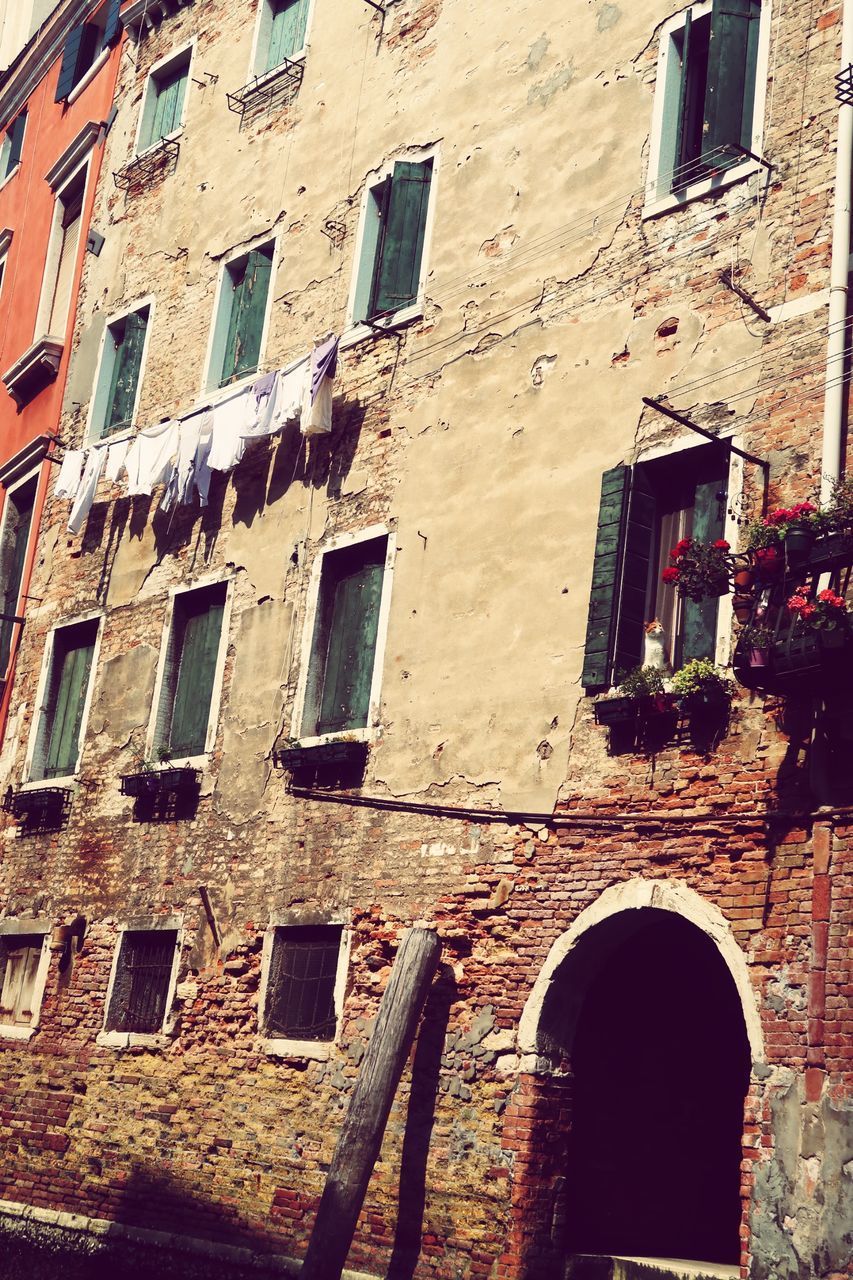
{"points": [[606, 571], [112, 23], [636, 572], [16, 141], [348, 674], [72, 215], [19, 516], [194, 685], [68, 70], [67, 710], [287, 35], [125, 374], [402, 237], [730, 92], [699, 625], [678, 179], [246, 322]]}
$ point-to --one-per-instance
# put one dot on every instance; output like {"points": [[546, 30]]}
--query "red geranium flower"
{"points": [[722, 545], [670, 575]]}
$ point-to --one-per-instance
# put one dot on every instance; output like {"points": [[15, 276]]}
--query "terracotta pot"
{"points": [[769, 561]]}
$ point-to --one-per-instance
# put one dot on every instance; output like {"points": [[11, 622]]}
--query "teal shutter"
{"points": [[125, 373], [72, 665], [19, 517], [398, 263], [246, 321], [112, 23], [732, 55], [15, 134], [202, 629], [678, 178], [348, 674], [287, 33], [68, 71], [699, 625], [167, 108], [639, 536]]}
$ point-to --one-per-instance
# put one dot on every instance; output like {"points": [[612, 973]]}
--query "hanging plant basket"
{"points": [[798, 662], [149, 783], [798, 546]]}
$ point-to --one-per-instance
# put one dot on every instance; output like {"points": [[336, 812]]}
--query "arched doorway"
{"points": [[644, 1012]]}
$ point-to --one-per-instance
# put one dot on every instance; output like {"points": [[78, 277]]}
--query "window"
{"points": [[120, 373], [343, 666], [392, 241], [241, 316], [644, 511], [21, 980], [707, 92], [13, 142], [191, 671], [62, 257], [84, 45], [65, 696], [143, 976], [14, 539], [281, 33], [163, 108], [304, 983]]}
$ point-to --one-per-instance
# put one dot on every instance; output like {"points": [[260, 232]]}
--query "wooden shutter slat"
{"points": [[729, 75], [194, 685], [112, 23], [631, 614], [348, 673], [68, 69], [246, 319], [66, 715], [677, 178], [125, 373], [601, 621], [402, 242], [58, 317], [16, 141], [287, 35]]}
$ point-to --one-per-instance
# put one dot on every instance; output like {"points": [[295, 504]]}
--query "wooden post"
{"points": [[360, 1138]]}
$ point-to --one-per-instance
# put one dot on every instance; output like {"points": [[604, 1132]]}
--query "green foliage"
{"points": [[701, 676], [642, 682]]}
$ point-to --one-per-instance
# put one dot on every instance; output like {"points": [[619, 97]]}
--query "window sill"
{"points": [[68, 780], [361, 330], [316, 1050], [111, 438], [9, 1032], [345, 735], [88, 76], [34, 370], [179, 762], [158, 142], [698, 190], [133, 1040], [10, 175]]}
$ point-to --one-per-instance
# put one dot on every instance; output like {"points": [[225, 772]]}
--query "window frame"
{"points": [[10, 928], [50, 271], [97, 410], [658, 197], [299, 56], [163, 65], [211, 388], [32, 473], [283, 1046], [200, 760], [6, 147], [372, 730], [28, 782], [358, 329], [148, 1039]]}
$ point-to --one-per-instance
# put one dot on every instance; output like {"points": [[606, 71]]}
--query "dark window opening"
{"points": [[300, 1002], [14, 540], [66, 690], [142, 979], [84, 45], [189, 673]]}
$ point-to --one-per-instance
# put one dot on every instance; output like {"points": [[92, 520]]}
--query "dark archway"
{"points": [[648, 1015]]}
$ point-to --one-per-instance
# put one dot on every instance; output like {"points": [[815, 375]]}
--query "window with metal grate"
{"points": [[142, 980], [300, 1001]]}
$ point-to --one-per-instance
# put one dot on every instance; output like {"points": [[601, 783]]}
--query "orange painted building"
{"points": [[55, 101]]}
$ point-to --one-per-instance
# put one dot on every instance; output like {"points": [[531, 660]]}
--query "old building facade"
{"points": [[297, 675]]}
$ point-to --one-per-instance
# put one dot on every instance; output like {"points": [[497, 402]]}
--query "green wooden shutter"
{"points": [[348, 674], [68, 70], [19, 517], [166, 116], [640, 527], [699, 625], [677, 177], [194, 685], [601, 622], [732, 55], [246, 321], [72, 665], [287, 33], [402, 237], [15, 134], [112, 23], [125, 373]]}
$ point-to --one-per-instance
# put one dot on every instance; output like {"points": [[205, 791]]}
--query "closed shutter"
{"points": [[678, 177], [112, 23], [16, 534], [68, 71], [732, 57], [21, 958], [287, 32], [70, 231], [168, 106], [301, 983], [202, 629], [398, 262], [699, 618], [142, 979], [72, 661], [348, 673], [246, 321], [636, 572], [15, 134], [125, 373]]}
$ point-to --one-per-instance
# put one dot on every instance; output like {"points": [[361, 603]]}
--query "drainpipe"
{"points": [[833, 413]]}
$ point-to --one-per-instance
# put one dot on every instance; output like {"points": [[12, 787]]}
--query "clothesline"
{"points": [[182, 453]]}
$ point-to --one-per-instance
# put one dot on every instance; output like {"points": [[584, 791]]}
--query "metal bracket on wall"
{"points": [[709, 435], [730, 283], [380, 8], [334, 231]]}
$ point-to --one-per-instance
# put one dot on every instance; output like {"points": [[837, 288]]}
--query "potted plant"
{"points": [[786, 535], [836, 537], [646, 687], [699, 570], [825, 614], [702, 686], [615, 708]]}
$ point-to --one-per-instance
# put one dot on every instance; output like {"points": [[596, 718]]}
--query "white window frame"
{"points": [[210, 390], [198, 761], [166, 63], [10, 928], [358, 330], [148, 1039], [261, 77], [6, 147], [97, 409], [88, 76], [663, 123], [281, 1046], [8, 490], [373, 729], [48, 280], [28, 783], [683, 444]]}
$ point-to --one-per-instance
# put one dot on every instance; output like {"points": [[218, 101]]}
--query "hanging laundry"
{"points": [[116, 455], [202, 474], [70, 471], [150, 458], [229, 422], [316, 416], [179, 490], [85, 494], [278, 403]]}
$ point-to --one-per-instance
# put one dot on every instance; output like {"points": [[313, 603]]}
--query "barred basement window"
{"points": [[20, 958], [300, 1002], [66, 691], [189, 672], [142, 981]]}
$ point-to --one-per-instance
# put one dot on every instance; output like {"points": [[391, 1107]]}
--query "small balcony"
{"points": [[34, 370]]}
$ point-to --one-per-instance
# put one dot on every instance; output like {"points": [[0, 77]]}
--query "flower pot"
{"points": [[742, 608], [798, 546], [831, 547], [797, 662], [769, 562], [759, 657]]}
